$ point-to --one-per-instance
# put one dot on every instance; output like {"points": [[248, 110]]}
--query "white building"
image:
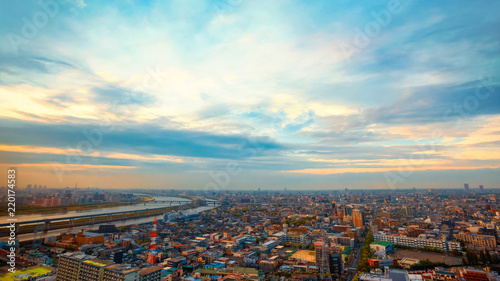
{"points": [[446, 246]]}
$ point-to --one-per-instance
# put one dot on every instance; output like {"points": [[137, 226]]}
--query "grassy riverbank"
{"points": [[61, 209]]}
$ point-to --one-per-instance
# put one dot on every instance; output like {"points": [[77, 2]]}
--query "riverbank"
{"points": [[22, 210]]}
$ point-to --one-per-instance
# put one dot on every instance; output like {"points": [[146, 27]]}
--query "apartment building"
{"points": [[69, 266], [333, 258], [446, 246], [80, 267], [119, 272], [488, 241], [92, 270], [299, 239], [152, 273]]}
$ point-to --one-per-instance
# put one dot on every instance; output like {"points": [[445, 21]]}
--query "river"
{"points": [[139, 206], [104, 211]]}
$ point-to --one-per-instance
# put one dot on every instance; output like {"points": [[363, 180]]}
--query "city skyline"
{"points": [[240, 95]]}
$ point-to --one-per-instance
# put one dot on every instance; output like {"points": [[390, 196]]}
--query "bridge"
{"points": [[109, 216], [180, 202]]}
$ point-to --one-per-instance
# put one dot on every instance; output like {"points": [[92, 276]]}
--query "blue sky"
{"points": [[237, 94]]}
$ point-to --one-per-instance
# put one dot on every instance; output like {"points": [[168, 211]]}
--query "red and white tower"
{"points": [[152, 248]]}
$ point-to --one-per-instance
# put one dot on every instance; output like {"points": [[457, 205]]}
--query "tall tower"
{"points": [[152, 248], [481, 188], [466, 187], [357, 218]]}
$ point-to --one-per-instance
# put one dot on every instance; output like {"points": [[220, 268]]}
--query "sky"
{"points": [[239, 94]]}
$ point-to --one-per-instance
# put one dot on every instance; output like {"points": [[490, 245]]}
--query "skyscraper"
{"points": [[466, 187], [481, 188], [357, 218]]}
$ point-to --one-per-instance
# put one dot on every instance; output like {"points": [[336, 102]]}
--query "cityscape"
{"points": [[239, 140], [413, 234]]}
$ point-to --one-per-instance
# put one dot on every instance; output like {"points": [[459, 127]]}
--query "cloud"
{"points": [[434, 104], [118, 96], [137, 138], [237, 78]]}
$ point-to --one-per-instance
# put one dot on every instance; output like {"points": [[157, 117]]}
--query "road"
{"points": [[353, 265]]}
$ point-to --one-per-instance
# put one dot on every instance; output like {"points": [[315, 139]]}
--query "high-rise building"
{"points": [[408, 210], [466, 187], [348, 210], [481, 188], [69, 266], [74, 266], [357, 218], [92, 269], [334, 207], [332, 259], [117, 256]]}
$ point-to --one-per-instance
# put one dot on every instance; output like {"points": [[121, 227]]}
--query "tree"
{"points": [[482, 257], [495, 260], [488, 256], [471, 257]]}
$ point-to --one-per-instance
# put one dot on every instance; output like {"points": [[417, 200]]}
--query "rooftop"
{"points": [[97, 262], [381, 243], [149, 270], [122, 268]]}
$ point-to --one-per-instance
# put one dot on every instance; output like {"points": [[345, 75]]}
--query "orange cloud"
{"points": [[479, 155], [53, 150], [73, 167], [331, 171], [416, 161]]}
